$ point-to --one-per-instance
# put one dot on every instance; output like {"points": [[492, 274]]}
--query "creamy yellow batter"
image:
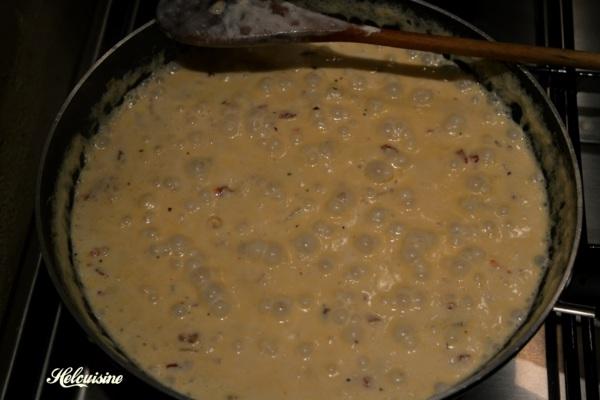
{"points": [[340, 232]]}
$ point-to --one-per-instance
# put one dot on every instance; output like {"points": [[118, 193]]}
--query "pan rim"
{"points": [[459, 388]]}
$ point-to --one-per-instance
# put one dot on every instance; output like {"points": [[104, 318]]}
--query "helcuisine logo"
{"points": [[70, 377]]}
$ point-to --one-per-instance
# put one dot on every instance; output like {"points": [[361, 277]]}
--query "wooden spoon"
{"points": [[236, 23]]}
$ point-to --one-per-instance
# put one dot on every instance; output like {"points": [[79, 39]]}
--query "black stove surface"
{"points": [[39, 334]]}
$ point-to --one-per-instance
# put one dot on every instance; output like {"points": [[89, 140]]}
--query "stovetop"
{"points": [[38, 333]]}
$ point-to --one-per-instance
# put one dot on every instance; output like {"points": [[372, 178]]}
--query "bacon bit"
{"points": [[172, 365], [221, 190], [466, 157], [120, 155], [233, 397], [100, 272], [98, 251], [461, 153], [497, 265], [464, 357], [451, 305], [262, 106], [188, 337], [287, 115], [326, 310], [372, 318], [386, 146], [366, 381]]}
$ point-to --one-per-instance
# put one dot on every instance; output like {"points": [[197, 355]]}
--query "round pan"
{"points": [[133, 59]]}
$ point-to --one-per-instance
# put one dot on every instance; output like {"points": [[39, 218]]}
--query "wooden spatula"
{"points": [[237, 23]]}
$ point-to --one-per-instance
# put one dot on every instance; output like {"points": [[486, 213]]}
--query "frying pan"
{"points": [[133, 59]]}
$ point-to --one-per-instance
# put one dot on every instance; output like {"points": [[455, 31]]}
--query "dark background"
{"points": [[46, 47]]}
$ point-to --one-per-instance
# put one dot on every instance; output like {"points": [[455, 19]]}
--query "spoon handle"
{"points": [[519, 53]]}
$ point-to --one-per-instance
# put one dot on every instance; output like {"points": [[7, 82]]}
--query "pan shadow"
{"points": [[297, 55]]}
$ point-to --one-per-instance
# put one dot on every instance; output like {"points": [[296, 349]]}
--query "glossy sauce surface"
{"points": [[368, 223]]}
